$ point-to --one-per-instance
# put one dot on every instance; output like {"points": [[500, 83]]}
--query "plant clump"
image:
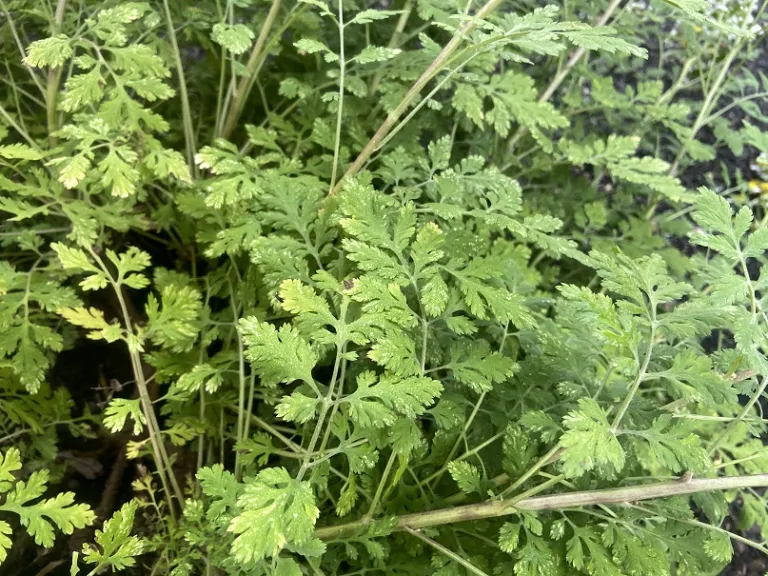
{"points": [[422, 286]]}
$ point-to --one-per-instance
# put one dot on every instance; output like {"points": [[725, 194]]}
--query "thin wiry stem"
{"points": [[340, 111], [54, 77], [18, 128], [446, 552], [162, 461], [432, 70], [706, 526], [20, 47], [714, 93], [471, 419], [640, 374], [328, 401], [382, 484], [186, 114], [563, 73], [240, 387], [393, 40]]}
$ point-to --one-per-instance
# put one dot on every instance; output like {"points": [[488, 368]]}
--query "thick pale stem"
{"points": [[432, 70], [394, 40], [255, 61], [497, 508]]}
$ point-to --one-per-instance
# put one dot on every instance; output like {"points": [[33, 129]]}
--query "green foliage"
{"points": [[589, 441], [383, 276], [275, 510], [117, 547], [37, 516]]}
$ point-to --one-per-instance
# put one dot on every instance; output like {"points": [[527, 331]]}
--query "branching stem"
{"points": [[640, 374], [393, 40], [328, 400], [563, 73], [471, 418], [432, 70], [20, 47], [255, 61], [162, 461], [714, 92]]}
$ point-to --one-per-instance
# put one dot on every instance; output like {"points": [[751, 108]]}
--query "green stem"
{"points": [[249, 409], [201, 438], [220, 97], [464, 456], [755, 309], [531, 492], [737, 102], [545, 460], [328, 400], [753, 300], [705, 526], [162, 461], [393, 41], [276, 433], [447, 552], [472, 416], [337, 395], [20, 47], [240, 380], [380, 488], [640, 374], [19, 129], [253, 67], [339, 113], [54, 78], [432, 70], [563, 73], [498, 508], [713, 94], [744, 411], [23, 431], [186, 114]]}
